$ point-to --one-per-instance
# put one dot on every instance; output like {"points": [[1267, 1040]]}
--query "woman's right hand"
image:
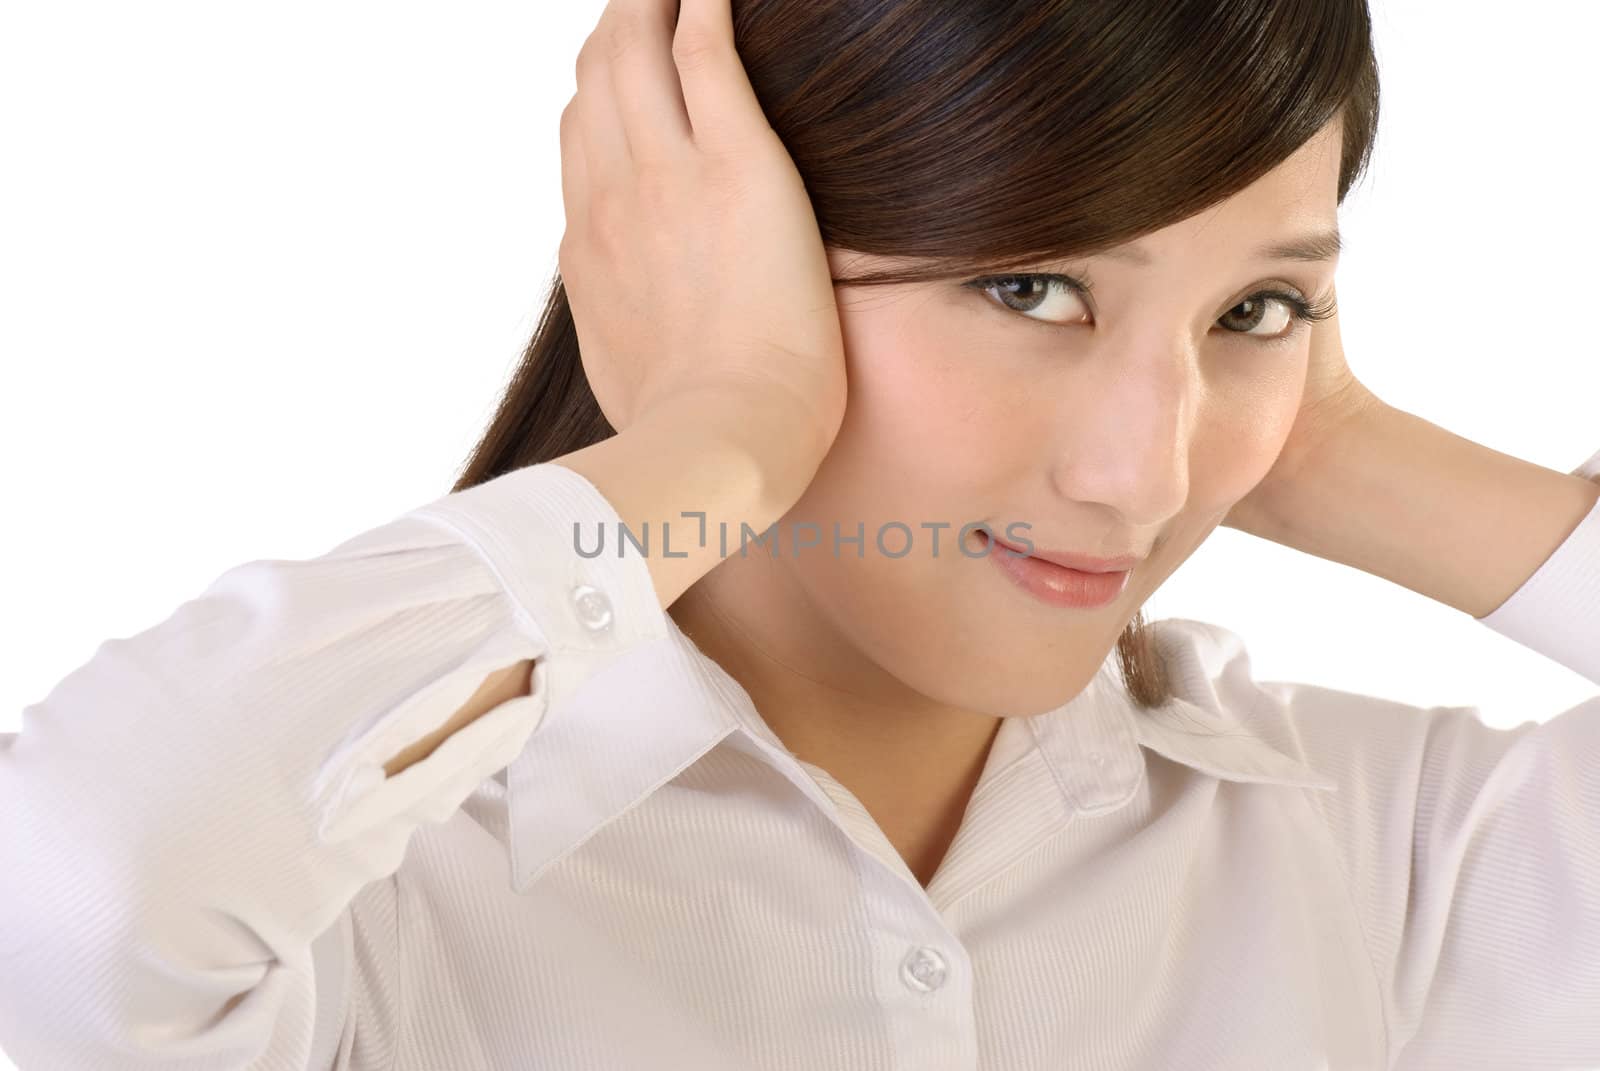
{"points": [[692, 258]]}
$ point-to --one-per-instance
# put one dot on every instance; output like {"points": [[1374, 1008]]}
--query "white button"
{"points": [[594, 609], [923, 969]]}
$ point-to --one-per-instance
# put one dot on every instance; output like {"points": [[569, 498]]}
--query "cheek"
{"points": [[1240, 445], [921, 415]]}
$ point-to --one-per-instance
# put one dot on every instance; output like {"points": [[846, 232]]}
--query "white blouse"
{"points": [[203, 866]]}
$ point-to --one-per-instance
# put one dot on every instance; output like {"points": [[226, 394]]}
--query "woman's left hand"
{"points": [[1332, 406]]}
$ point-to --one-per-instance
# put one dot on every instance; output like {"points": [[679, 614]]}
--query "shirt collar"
{"points": [[1094, 744], [1220, 720], [596, 755]]}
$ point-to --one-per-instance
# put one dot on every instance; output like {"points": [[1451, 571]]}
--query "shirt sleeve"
{"points": [[1473, 853], [193, 809]]}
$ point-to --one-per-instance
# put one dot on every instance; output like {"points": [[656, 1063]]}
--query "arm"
{"points": [[1447, 517], [188, 812], [663, 466]]}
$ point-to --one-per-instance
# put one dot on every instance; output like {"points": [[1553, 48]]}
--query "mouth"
{"points": [[1052, 584], [1080, 563]]}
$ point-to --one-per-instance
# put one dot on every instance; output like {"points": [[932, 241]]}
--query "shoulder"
{"points": [[1378, 756], [1346, 734]]}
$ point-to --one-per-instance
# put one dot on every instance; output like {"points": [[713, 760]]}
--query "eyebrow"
{"points": [[1322, 245]]}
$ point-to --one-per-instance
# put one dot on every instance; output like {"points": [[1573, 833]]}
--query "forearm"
{"points": [[740, 461], [1437, 513]]}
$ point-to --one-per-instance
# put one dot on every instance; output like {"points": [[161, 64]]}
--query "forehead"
{"points": [[1308, 181], [1299, 195]]}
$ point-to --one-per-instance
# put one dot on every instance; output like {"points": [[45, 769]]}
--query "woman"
{"points": [[474, 790]]}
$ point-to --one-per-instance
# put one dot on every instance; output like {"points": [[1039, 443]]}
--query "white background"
{"points": [[264, 270]]}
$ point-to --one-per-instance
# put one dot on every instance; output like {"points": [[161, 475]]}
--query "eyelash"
{"points": [[1301, 311]]}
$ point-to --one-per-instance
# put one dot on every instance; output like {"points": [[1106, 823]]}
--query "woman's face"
{"points": [[1128, 422]]}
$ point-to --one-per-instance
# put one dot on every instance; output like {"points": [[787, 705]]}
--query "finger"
{"points": [[605, 145], [644, 80], [722, 106]]}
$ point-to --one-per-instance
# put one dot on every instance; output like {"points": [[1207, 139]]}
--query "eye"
{"points": [[1267, 315], [1271, 315], [1053, 299]]}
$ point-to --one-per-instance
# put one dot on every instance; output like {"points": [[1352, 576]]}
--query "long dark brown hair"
{"points": [[974, 135]]}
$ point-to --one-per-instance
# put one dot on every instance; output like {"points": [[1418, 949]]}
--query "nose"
{"points": [[1122, 438]]}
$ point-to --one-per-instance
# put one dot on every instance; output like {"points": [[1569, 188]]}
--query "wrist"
{"points": [[684, 483], [772, 435]]}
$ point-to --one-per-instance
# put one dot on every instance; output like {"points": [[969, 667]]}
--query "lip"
{"points": [[1080, 563], [1058, 585]]}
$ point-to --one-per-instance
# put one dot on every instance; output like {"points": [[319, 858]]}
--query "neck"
{"points": [[911, 761]]}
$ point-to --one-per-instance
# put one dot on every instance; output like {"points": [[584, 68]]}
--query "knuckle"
{"points": [[692, 47], [622, 35], [607, 221], [723, 169], [564, 260], [655, 180], [584, 64], [656, 188]]}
